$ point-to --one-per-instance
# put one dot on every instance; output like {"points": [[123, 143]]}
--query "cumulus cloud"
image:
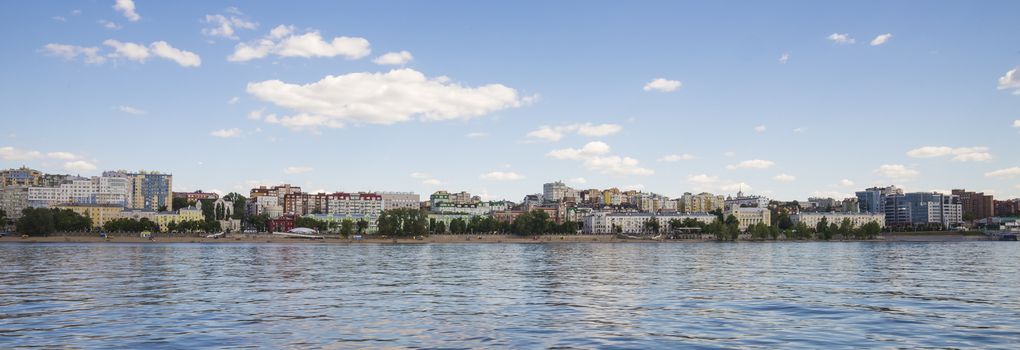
{"points": [[676, 157], [752, 164], [131, 110], [841, 38], [784, 58], [161, 49], [555, 133], [501, 176], [1010, 81], [702, 179], [960, 154], [79, 165], [1016, 123], [297, 170], [283, 41], [233, 100], [846, 183], [594, 156], [1007, 173], [15, 154], [759, 129], [225, 26], [881, 39], [896, 171], [109, 25], [784, 178], [426, 179], [381, 98], [226, 133], [394, 58], [477, 135], [577, 181], [90, 55], [662, 85], [127, 8]]}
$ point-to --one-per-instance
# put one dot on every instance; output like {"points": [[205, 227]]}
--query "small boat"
{"points": [[1008, 237]]}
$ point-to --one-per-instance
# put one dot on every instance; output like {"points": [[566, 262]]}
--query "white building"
{"points": [[105, 190], [634, 223], [354, 204], [750, 216], [480, 208], [746, 201], [557, 192], [856, 219], [399, 200]]}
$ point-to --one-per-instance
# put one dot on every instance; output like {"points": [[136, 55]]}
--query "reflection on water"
{"points": [[782, 295]]}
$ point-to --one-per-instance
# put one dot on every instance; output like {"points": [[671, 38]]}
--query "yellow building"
{"points": [[748, 217], [99, 214], [184, 214]]}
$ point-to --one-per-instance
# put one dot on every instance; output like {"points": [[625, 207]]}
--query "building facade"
{"points": [[856, 219], [150, 190], [400, 200], [750, 216], [923, 208], [602, 222], [196, 196], [976, 205], [14, 199], [701, 203]]}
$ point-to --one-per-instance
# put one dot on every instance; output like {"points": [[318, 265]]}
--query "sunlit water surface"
{"points": [[772, 295]]}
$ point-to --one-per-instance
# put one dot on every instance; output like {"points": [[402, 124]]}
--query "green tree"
{"points": [[346, 227], [36, 222], [440, 227], [870, 230], [362, 225], [783, 222], [179, 203], [651, 226]]}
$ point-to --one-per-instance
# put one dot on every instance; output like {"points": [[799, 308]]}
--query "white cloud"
{"points": [[752, 164], [183, 58], [11, 153], [477, 135], [62, 155], [759, 129], [70, 52], [384, 98], [1007, 173], [594, 157], [501, 176], [881, 39], [131, 110], [846, 183], [960, 154], [131, 51], [225, 26], [663, 85], [79, 165], [841, 38], [1010, 81], [304, 121], [127, 8], [283, 42], [736, 186], [109, 25], [799, 130], [297, 169], [432, 182], [1016, 123], [233, 100], [785, 178], [59, 18], [676, 157], [896, 171], [417, 175], [729, 154], [426, 179], [578, 181], [226, 133], [591, 149], [555, 133], [702, 179], [784, 58], [394, 58], [635, 187]]}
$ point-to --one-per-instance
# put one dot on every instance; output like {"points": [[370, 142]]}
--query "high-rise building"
{"points": [[400, 200], [922, 208], [872, 200], [13, 199], [99, 190], [558, 192], [976, 205], [150, 190], [701, 203], [1009, 207]]}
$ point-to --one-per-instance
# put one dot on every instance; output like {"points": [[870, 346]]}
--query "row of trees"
{"points": [[344, 227], [404, 222], [44, 221]]}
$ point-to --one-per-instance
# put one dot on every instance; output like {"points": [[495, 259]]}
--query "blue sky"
{"points": [[498, 98]]}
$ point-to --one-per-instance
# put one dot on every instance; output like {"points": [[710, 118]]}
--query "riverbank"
{"points": [[548, 239]]}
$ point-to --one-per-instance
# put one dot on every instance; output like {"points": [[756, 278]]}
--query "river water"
{"points": [[743, 295]]}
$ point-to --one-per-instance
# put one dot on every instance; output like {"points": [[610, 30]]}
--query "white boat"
{"points": [[300, 232]]}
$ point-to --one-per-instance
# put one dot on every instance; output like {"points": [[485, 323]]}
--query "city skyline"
{"points": [[663, 99]]}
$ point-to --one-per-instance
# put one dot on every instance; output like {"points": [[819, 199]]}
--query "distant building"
{"points": [[399, 200], [701, 203], [99, 213], [856, 219], [269, 200], [1007, 207], [558, 192], [634, 223], [14, 199], [20, 177], [976, 204], [750, 216], [922, 208], [150, 190], [747, 201], [872, 200], [196, 196], [105, 190]]}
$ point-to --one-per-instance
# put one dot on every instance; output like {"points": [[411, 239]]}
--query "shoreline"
{"points": [[446, 239]]}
